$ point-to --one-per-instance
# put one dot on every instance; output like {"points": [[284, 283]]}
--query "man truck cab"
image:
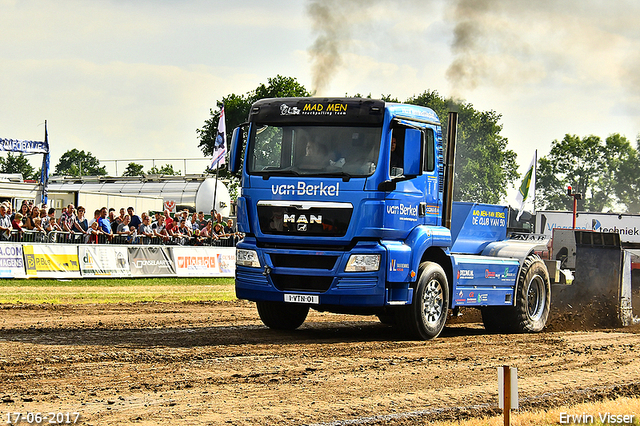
{"points": [[346, 206]]}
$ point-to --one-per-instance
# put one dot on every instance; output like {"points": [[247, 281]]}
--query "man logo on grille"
{"points": [[291, 218], [302, 227]]}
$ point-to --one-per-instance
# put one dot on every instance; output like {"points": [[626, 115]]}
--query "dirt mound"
{"points": [[214, 363]]}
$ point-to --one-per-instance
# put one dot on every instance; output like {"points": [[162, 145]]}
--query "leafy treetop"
{"points": [[79, 163], [18, 164], [605, 173]]}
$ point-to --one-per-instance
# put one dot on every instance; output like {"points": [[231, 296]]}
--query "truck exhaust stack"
{"points": [[450, 159]]}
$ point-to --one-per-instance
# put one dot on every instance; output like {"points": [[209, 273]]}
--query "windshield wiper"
{"points": [[266, 174], [344, 175]]}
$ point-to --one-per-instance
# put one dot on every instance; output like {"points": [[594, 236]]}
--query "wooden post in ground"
{"points": [[506, 377]]}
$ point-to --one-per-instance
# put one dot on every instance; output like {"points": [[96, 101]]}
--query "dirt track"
{"points": [[214, 363]]}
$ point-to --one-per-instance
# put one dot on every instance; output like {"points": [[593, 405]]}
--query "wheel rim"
{"points": [[432, 303], [536, 298]]}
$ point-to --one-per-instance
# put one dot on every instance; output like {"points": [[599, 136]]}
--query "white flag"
{"points": [[220, 145], [528, 185]]}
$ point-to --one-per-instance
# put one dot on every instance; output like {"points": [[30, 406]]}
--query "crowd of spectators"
{"points": [[40, 224]]}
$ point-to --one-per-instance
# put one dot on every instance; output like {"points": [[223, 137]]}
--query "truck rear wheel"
{"points": [[532, 302], [533, 296], [282, 316], [425, 317]]}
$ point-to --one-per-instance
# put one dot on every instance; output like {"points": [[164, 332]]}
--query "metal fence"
{"points": [[60, 237]]}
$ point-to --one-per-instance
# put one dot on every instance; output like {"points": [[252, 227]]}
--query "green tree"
{"points": [[279, 87], [388, 98], [236, 111], [485, 167], [166, 170], [79, 163], [617, 178], [599, 171], [237, 107], [134, 169], [17, 164], [627, 180]]}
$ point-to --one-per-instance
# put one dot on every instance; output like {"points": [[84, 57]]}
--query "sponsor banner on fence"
{"points": [[11, 261], [104, 261], [205, 261], [151, 261], [51, 261]]}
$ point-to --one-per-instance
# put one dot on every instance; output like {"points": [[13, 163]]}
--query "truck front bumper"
{"points": [[285, 274]]}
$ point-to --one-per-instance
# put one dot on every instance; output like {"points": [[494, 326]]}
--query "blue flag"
{"points": [[44, 173]]}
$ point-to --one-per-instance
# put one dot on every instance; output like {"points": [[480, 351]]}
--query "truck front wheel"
{"points": [[425, 317], [282, 316]]}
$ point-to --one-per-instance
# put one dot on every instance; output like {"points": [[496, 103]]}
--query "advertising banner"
{"points": [[11, 261], [51, 261], [151, 261], [627, 225], [205, 261], [26, 147], [104, 261]]}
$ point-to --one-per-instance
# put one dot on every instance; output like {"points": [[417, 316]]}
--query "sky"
{"points": [[134, 79]]}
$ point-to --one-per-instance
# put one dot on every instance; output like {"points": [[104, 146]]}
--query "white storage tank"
{"points": [[195, 193]]}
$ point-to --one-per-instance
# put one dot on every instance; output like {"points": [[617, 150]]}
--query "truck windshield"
{"points": [[313, 150]]}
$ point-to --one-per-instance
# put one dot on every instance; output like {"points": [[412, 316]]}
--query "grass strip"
{"points": [[79, 291], [115, 282]]}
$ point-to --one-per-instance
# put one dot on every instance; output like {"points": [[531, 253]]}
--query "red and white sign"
{"points": [[170, 205], [205, 261]]}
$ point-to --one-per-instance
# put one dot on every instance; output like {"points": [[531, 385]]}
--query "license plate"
{"points": [[302, 298]]}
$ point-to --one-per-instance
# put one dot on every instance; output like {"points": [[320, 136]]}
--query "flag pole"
{"points": [[535, 177], [221, 127], [215, 193], [44, 172], [527, 182]]}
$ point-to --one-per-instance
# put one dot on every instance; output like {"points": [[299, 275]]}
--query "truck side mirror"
{"points": [[412, 152], [235, 151]]}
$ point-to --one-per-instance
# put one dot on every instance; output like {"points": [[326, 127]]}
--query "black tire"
{"points": [[424, 319], [387, 319], [495, 318], [282, 316], [533, 296], [532, 302]]}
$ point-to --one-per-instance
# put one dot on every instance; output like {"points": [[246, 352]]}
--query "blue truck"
{"points": [[346, 204]]}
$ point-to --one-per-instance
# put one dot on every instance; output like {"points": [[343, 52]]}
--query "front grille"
{"points": [[311, 222], [303, 261], [301, 283]]}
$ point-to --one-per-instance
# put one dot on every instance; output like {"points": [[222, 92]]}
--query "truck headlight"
{"points": [[363, 263], [247, 258]]}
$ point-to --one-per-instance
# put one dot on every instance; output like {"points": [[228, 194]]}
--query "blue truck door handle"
{"points": [[422, 209]]}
